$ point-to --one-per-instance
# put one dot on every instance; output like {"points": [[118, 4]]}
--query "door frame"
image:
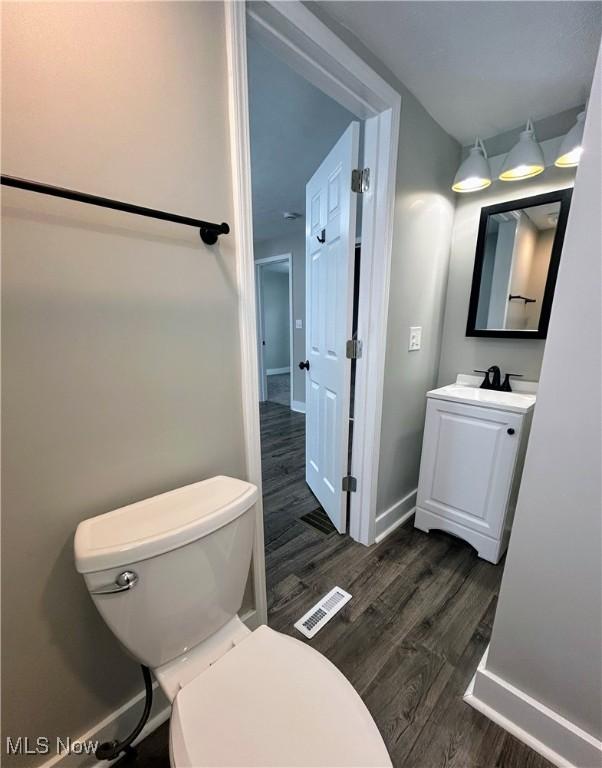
{"points": [[293, 32], [262, 373]]}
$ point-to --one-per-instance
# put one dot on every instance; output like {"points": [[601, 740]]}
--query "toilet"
{"points": [[168, 576]]}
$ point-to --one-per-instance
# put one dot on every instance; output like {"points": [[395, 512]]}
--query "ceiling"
{"points": [[544, 216], [293, 127], [481, 68]]}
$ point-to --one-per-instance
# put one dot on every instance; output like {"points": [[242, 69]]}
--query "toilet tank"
{"points": [[186, 556]]}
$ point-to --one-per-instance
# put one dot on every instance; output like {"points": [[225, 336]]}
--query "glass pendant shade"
{"points": [[525, 159], [571, 148], [474, 173]]}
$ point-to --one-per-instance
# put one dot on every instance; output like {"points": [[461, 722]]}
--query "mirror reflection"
{"points": [[516, 259], [518, 251]]}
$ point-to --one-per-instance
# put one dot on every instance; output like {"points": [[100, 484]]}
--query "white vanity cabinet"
{"points": [[472, 460]]}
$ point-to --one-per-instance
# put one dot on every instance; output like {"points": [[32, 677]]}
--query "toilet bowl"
{"points": [[168, 575]]}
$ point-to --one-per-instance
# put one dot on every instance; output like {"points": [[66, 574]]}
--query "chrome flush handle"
{"points": [[124, 581]]}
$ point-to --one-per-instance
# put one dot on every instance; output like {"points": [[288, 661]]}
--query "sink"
{"points": [[518, 402]]}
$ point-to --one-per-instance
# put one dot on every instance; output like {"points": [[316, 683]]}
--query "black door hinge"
{"points": [[360, 180], [349, 483]]}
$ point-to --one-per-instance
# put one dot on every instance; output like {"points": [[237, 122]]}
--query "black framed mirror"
{"points": [[516, 264]]}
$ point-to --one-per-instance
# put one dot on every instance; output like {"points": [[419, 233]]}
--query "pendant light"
{"points": [[571, 148], [525, 159], [474, 173]]}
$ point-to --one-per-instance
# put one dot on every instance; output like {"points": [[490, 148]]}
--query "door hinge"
{"points": [[353, 349], [349, 484], [360, 180]]}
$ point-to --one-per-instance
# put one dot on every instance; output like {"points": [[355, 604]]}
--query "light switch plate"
{"points": [[415, 338], [298, 323]]}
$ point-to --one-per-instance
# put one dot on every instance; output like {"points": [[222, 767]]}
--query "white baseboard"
{"points": [[121, 721], [297, 405], [554, 737], [276, 371], [116, 725], [396, 515]]}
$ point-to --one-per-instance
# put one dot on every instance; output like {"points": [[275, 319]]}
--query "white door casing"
{"points": [[330, 215], [260, 307], [263, 385]]}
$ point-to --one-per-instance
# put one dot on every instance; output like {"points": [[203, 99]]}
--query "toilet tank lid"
{"points": [[159, 524]]}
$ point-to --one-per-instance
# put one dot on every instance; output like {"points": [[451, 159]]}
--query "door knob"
{"points": [[322, 238], [510, 430], [305, 365]]}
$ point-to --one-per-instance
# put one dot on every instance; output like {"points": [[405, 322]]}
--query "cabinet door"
{"points": [[468, 460]]}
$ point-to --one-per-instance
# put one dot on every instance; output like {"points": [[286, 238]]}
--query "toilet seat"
{"points": [[273, 701]]}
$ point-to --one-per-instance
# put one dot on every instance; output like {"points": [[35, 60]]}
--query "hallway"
{"points": [[286, 496], [279, 389]]}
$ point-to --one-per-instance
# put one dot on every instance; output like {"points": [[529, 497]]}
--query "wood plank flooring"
{"points": [[279, 388], [411, 637]]}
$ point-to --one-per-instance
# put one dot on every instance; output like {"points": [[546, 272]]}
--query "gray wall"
{"points": [[547, 635], [295, 244], [424, 210], [462, 354], [120, 349], [276, 319]]}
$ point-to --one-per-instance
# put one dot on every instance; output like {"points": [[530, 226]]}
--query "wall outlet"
{"points": [[415, 338], [298, 324]]}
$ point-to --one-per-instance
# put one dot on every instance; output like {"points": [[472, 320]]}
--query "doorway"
{"points": [[304, 146], [274, 287], [306, 45]]}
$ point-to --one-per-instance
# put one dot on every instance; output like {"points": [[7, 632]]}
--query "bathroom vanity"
{"points": [[472, 460]]}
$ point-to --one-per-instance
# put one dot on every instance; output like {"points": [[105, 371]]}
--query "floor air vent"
{"points": [[319, 520], [313, 621]]}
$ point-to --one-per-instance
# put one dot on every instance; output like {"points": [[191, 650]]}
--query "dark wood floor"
{"points": [[286, 495], [411, 637]]}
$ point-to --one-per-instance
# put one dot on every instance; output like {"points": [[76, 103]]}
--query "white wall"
{"points": [[276, 319], [120, 349], [539, 272], [547, 634], [460, 353], [294, 244], [525, 244]]}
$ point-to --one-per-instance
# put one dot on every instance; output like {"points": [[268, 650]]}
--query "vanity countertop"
{"points": [[464, 392]]}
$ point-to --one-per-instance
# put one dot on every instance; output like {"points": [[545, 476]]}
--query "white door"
{"points": [[468, 459], [330, 210]]}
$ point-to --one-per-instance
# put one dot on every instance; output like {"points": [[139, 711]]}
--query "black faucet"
{"points": [[506, 385], [496, 382]]}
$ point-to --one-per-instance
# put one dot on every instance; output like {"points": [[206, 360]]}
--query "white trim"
{"points": [[395, 516], [238, 107], [263, 374], [487, 547], [122, 720], [554, 737], [273, 259], [115, 726], [315, 52], [298, 405]]}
